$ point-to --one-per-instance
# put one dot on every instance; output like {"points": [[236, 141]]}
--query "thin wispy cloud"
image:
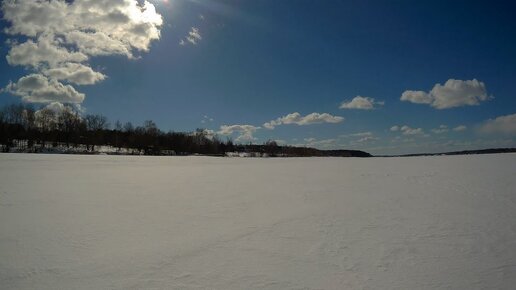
{"points": [[442, 129], [460, 128], [359, 134], [206, 119], [407, 130], [323, 143], [193, 37]]}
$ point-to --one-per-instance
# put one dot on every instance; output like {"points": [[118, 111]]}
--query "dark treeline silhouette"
{"points": [[40, 129]]}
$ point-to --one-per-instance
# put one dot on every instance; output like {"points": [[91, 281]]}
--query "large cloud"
{"points": [[296, 118], [37, 88], [59, 37], [361, 103], [454, 93], [46, 51], [505, 125]]}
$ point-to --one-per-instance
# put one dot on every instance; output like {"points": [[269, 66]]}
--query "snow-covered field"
{"points": [[127, 222]]}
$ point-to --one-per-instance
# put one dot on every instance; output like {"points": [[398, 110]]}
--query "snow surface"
{"points": [[131, 222]]}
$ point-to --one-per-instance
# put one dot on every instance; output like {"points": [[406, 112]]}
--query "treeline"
{"points": [[66, 126], [46, 127]]}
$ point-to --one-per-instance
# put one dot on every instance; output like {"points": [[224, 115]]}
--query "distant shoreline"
{"points": [[451, 153], [256, 154]]}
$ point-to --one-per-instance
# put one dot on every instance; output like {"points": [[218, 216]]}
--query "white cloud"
{"points": [[505, 125], [37, 88], [411, 131], [97, 43], [193, 37], [442, 129], [245, 131], [454, 93], [296, 118], [407, 130], [460, 128], [59, 37], [417, 97], [363, 137], [361, 103], [55, 107], [44, 52], [75, 73]]}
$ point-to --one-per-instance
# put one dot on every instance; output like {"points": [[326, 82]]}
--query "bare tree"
{"points": [[96, 122], [128, 127]]}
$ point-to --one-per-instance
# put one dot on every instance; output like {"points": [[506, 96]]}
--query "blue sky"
{"points": [[252, 62]]}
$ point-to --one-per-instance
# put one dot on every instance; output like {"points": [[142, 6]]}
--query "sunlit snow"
{"points": [[122, 222]]}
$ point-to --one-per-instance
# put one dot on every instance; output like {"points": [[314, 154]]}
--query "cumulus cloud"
{"points": [[56, 38], [75, 73], [44, 52], [296, 118], [454, 93], [505, 125], [417, 97], [407, 130], [245, 132], [460, 128], [37, 88], [361, 103]]}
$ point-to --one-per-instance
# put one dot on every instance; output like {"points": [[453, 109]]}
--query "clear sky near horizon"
{"points": [[386, 77]]}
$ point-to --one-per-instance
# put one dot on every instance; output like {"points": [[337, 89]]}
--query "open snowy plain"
{"points": [[121, 222]]}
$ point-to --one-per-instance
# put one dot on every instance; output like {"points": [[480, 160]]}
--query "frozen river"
{"points": [[122, 222]]}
